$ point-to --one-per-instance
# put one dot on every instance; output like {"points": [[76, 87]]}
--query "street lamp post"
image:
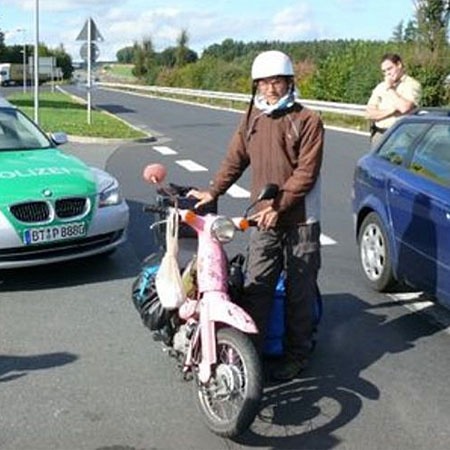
{"points": [[24, 68], [24, 61], [36, 64]]}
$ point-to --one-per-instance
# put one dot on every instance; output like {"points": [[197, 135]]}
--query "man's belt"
{"points": [[374, 129], [380, 130]]}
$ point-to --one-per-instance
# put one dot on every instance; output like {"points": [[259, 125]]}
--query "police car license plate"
{"points": [[54, 233]]}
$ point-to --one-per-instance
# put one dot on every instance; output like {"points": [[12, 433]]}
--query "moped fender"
{"points": [[221, 309]]}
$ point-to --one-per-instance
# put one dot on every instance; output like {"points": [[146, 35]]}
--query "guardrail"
{"points": [[334, 107]]}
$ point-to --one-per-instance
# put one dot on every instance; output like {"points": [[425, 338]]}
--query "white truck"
{"points": [[13, 73]]}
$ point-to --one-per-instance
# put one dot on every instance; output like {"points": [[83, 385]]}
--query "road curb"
{"points": [[100, 140]]}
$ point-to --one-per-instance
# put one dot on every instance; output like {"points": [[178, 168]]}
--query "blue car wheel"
{"points": [[375, 253]]}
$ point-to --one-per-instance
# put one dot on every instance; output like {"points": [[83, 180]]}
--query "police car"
{"points": [[53, 207]]}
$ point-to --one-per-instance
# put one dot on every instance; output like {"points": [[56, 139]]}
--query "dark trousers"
{"points": [[297, 250]]}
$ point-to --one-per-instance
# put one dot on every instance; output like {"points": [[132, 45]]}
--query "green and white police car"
{"points": [[53, 207]]}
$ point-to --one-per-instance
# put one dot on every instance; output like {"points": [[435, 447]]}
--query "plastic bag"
{"points": [[168, 279]]}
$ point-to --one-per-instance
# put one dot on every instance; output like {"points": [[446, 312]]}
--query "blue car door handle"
{"points": [[393, 190]]}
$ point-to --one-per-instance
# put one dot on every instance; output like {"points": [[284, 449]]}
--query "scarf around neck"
{"points": [[283, 103]]}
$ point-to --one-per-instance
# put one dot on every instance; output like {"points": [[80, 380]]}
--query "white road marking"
{"points": [[237, 192], [164, 150], [326, 240], [439, 314], [190, 165], [406, 296]]}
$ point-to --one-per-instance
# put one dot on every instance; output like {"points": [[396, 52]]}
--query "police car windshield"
{"points": [[17, 132]]}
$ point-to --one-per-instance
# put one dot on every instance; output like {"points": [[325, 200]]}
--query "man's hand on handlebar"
{"points": [[203, 197], [266, 218]]}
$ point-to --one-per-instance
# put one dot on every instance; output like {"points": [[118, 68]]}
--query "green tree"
{"points": [[432, 22], [228, 50], [125, 55], [410, 32], [397, 35], [168, 57], [2, 43], [63, 60], [350, 72], [183, 54], [430, 62], [144, 60]]}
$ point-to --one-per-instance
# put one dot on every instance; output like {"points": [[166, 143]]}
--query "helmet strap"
{"points": [[252, 102]]}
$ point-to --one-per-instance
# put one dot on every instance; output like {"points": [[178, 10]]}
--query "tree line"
{"points": [[14, 54], [331, 70]]}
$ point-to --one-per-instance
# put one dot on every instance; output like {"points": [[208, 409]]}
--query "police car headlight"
{"points": [[223, 229], [110, 196], [108, 189]]}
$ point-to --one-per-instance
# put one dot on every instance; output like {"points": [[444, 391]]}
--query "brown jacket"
{"points": [[284, 148]]}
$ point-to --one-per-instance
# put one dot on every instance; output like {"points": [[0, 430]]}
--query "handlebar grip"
{"points": [[154, 209]]}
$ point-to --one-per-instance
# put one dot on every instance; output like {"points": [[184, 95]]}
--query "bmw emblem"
{"points": [[47, 193]]}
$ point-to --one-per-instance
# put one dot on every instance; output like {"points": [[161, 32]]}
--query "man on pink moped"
{"points": [[282, 143]]}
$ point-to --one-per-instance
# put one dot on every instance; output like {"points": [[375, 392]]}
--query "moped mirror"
{"points": [[268, 192], [154, 173]]}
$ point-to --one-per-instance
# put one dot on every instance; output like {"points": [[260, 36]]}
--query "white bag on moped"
{"points": [[169, 284]]}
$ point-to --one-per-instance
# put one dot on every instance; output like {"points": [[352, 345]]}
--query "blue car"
{"points": [[401, 206]]}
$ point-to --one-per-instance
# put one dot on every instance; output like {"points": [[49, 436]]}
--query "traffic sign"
{"points": [[95, 52], [95, 33]]}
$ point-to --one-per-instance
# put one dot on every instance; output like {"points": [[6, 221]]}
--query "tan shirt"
{"points": [[284, 148], [408, 88]]}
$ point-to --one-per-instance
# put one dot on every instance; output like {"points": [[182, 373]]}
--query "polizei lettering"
{"points": [[39, 172]]}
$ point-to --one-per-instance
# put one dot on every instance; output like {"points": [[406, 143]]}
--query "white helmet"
{"points": [[270, 64]]}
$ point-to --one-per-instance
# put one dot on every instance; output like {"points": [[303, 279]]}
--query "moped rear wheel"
{"points": [[231, 399]]}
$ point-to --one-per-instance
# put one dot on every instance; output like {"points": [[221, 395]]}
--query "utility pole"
{"points": [[36, 64], [24, 59]]}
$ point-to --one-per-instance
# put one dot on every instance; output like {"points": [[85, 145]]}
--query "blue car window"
{"points": [[432, 157], [398, 145]]}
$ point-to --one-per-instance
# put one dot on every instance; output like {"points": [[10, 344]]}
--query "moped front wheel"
{"points": [[230, 400]]}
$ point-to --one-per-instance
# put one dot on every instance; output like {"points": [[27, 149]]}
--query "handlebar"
{"points": [[162, 210], [155, 209]]}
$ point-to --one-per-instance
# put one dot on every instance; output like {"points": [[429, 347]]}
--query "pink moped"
{"points": [[210, 333]]}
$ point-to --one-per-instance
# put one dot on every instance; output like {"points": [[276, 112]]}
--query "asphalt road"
{"points": [[79, 371]]}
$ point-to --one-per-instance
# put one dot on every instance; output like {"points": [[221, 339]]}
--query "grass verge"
{"points": [[60, 112]]}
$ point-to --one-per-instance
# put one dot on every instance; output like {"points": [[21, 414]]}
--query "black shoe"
{"points": [[289, 368]]}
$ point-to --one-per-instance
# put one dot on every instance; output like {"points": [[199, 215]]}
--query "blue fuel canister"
{"points": [[273, 344]]}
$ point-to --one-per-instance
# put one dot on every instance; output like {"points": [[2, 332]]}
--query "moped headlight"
{"points": [[223, 229]]}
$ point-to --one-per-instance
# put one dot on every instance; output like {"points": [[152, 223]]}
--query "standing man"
{"points": [[397, 95], [282, 143]]}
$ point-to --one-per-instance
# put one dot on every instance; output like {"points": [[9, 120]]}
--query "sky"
{"points": [[207, 22]]}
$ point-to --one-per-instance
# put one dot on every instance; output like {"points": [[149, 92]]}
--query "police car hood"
{"points": [[39, 174]]}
